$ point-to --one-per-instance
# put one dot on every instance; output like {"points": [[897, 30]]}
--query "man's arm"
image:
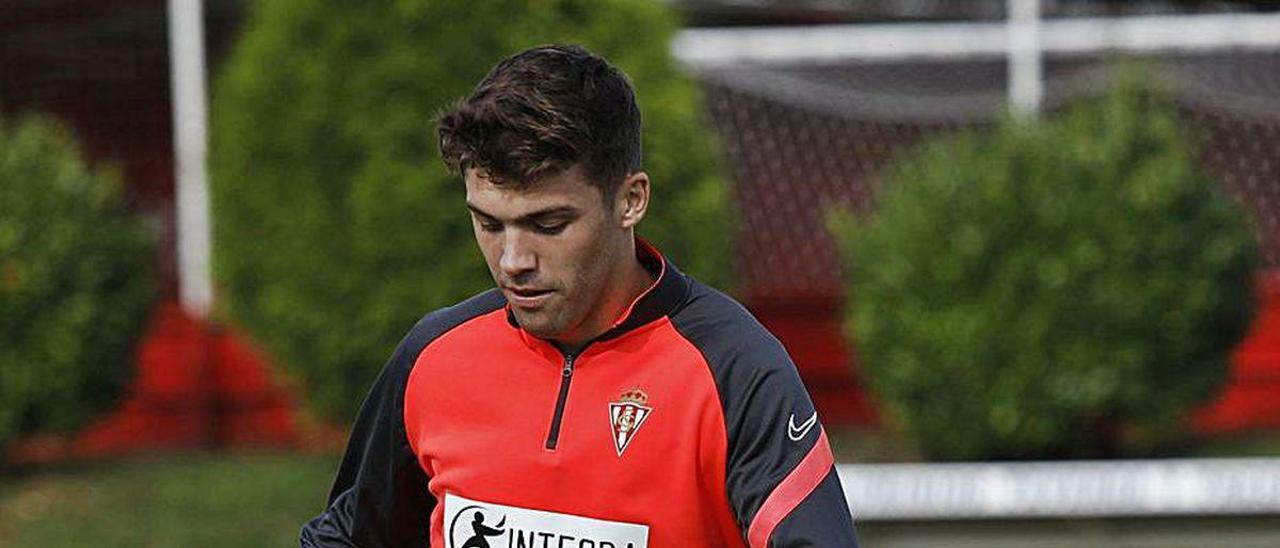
{"points": [[380, 497], [781, 474]]}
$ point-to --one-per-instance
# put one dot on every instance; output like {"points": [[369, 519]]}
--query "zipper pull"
{"points": [[568, 367]]}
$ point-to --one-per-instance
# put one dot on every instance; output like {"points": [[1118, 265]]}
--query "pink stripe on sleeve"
{"points": [[791, 491]]}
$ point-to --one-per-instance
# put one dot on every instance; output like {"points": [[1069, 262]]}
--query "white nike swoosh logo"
{"points": [[796, 433]]}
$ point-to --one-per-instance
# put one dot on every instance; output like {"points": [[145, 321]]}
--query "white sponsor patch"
{"points": [[474, 524]]}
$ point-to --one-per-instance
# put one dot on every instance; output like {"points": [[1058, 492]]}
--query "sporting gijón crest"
{"points": [[627, 415]]}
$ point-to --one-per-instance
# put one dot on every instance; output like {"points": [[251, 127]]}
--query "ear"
{"points": [[632, 200]]}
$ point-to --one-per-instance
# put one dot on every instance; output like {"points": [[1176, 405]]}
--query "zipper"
{"points": [[566, 375]]}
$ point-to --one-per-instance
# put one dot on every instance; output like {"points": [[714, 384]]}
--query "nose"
{"points": [[518, 256]]}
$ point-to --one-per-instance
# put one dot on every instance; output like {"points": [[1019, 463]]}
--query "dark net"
{"points": [[805, 138]]}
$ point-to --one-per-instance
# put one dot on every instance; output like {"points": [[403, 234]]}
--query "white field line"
{"points": [[1062, 489]]}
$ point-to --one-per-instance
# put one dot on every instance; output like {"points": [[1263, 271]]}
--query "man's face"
{"points": [[551, 247]]}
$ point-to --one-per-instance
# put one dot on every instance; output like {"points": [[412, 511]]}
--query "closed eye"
{"points": [[550, 228], [486, 223], [547, 222]]}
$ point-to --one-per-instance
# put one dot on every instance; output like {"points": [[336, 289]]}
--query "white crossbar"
{"points": [[711, 47]]}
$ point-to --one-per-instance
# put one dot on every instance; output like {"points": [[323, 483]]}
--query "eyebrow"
{"points": [[542, 213]]}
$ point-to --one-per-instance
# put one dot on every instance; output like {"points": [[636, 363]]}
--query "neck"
{"points": [[633, 279]]}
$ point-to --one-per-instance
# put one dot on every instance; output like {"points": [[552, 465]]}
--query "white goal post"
{"points": [[190, 151], [1024, 38]]}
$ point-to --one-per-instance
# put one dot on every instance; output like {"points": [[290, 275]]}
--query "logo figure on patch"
{"points": [[627, 415], [479, 530]]}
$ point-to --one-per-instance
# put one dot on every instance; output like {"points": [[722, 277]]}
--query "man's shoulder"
{"points": [[440, 321], [755, 377], [726, 333]]}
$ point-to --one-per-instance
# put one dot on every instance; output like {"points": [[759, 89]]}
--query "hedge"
{"points": [[76, 282], [336, 224], [1065, 288]]}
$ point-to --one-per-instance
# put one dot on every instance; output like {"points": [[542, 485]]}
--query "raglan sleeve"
{"points": [[379, 497], [781, 476]]}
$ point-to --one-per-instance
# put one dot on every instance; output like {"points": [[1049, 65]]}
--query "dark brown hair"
{"points": [[541, 111]]}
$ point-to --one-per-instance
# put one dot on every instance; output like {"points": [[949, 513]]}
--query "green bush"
{"points": [[336, 225], [1057, 289], [75, 283]]}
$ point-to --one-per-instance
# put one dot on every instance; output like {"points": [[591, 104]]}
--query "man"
{"points": [[596, 397]]}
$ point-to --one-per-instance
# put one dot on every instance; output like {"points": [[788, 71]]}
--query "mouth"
{"points": [[527, 297]]}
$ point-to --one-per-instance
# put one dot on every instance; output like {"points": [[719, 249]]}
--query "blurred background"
{"points": [[1025, 254]]}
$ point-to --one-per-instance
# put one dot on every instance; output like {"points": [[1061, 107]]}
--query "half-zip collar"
{"points": [[662, 298]]}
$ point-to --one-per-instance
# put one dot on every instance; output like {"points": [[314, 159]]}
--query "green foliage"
{"points": [[1063, 288], [336, 224], [75, 283]]}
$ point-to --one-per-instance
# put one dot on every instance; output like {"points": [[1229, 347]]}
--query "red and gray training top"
{"points": [[685, 424]]}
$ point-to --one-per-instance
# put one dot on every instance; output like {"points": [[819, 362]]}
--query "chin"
{"points": [[537, 326]]}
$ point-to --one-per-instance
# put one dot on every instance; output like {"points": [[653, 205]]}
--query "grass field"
{"points": [[197, 500], [218, 500]]}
